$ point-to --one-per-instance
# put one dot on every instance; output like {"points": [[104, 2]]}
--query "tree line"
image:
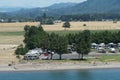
{"points": [[90, 17], [36, 37], [106, 37], [99, 37], [45, 19], [48, 19]]}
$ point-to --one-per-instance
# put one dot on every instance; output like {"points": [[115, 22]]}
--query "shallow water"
{"points": [[97, 74]]}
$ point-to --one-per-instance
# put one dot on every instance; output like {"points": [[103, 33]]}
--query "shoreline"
{"points": [[59, 66]]}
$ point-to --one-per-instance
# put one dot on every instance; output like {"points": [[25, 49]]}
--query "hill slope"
{"points": [[98, 6], [89, 7]]}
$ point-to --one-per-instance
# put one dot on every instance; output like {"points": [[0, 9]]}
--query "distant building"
{"points": [[57, 21], [1, 20]]}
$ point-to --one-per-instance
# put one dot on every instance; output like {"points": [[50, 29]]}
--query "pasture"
{"points": [[96, 25], [91, 25], [12, 33], [14, 27], [7, 53]]}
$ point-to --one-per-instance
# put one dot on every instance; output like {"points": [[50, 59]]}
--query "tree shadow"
{"points": [[78, 59]]}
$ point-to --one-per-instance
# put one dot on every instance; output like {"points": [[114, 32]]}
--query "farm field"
{"points": [[14, 27], [95, 25], [11, 34], [7, 53], [89, 25]]}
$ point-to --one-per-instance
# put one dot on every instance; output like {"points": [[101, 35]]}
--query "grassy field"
{"points": [[11, 40], [105, 58], [19, 33], [7, 54], [89, 25], [14, 27], [11, 34], [62, 32]]}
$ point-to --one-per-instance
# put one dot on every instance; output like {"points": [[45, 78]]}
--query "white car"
{"points": [[101, 50], [112, 50]]}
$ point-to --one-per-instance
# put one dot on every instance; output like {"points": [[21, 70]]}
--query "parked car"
{"points": [[119, 49], [45, 56], [118, 46], [31, 57], [112, 50], [101, 50], [94, 45]]}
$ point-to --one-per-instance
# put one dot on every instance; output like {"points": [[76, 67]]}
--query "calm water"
{"points": [[99, 74]]}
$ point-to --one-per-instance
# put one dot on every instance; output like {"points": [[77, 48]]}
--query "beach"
{"points": [[37, 66]]}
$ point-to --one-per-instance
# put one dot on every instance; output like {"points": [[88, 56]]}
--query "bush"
{"points": [[115, 21], [21, 50], [84, 25]]}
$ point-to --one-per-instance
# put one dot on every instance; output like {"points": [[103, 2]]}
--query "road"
{"points": [[92, 54]]}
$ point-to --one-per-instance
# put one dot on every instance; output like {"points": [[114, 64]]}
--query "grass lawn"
{"points": [[62, 32], [106, 58], [11, 37], [12, 33]]}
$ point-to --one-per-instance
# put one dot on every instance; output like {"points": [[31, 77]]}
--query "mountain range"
{"points": [[86, 7]]}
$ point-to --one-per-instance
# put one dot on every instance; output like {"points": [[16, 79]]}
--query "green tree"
{"points": [[83, 43], [49, 21], [58, 44], [21, 50], [45, 19], [62, 44], [71, 38], [35, 37], [66, 25], [44, 15], [52, 42]]}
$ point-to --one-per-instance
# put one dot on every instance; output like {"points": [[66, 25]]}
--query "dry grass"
{"points": [[90, 26], [15, 40], [8, 45], [11, 27], [95, 25], [7, 54]]}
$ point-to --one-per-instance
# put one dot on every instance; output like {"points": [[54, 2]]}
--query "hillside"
{"points": [[88, 7], [61, 5], [98, 6], [3, 15], [50, 10]]}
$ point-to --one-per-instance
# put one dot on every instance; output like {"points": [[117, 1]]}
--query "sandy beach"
{"points": [[58, 66]]}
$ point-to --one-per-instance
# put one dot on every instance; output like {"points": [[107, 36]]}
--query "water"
{"points": [[97, 74]]}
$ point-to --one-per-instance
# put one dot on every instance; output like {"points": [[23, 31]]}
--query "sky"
{"points": [[33, 3]]}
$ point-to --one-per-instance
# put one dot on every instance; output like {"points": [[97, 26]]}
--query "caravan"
{"points": [[33, 54]]}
